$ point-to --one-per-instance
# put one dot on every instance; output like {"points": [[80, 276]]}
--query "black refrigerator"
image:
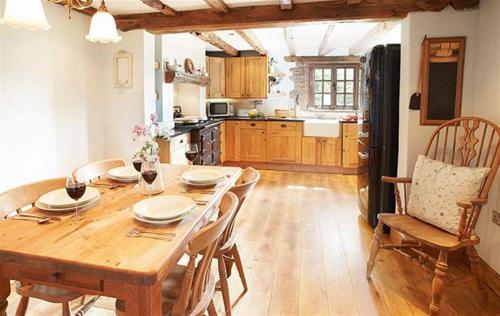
{"points": [[379, 138]]}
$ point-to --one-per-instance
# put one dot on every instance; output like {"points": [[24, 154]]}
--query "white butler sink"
{"points": [[321, 128]]}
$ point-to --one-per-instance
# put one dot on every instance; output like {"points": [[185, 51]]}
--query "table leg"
{"points": [[4, 294], [144, 300]]}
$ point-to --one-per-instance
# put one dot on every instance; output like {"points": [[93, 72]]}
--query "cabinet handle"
{"points": [[283, 125], [253, 124], [182, 141]]}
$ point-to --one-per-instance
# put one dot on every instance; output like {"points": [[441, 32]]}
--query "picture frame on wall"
{"points": [[442, 79], [123, 65]]}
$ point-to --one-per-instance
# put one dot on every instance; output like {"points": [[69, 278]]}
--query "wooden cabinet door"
{"points": [[216, 71], [223, 142], [256, 77], [232, 140], [235, 77], [350, 145], [284, 146], [331, 152], [311, 150], [253, 145]]}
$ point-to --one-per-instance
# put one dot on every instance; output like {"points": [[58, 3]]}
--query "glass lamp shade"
{"points": [[103, 28], [26, 14]]}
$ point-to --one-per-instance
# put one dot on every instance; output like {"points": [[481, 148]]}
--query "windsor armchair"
{"points": [[14, 200], [467, 142], [96, 169]]}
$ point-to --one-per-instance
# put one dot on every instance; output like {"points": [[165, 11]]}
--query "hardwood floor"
{"points": [[304, 248]]}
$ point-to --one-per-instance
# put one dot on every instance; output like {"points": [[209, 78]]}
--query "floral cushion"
{"points": [[436, 188]]}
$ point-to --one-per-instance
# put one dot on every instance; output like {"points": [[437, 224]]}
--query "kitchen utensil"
{"points": [[36, 220], [136, 234], [143, 231], [52, 218], [415, 98]]}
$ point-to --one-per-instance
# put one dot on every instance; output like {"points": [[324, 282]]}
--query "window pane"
{"points": [[327, 74], [340, 73], [318, 74], [317, 99], [340, 99], [349, 86], [340, 87], [318, 86], [327, 100], [349, 99], [327, 86], [349, 73]]}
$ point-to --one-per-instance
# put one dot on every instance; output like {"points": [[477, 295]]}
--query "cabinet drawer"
{"points": [[254, 124], [284, 126], [179, 141]]}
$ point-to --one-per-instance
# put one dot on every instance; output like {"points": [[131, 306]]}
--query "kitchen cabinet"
{"points": [[223, 142], [253, 145], [350, 145], [216, 71], [284, 142], [208, 140], [246, 77], [173, 151], [322, 151], [232, 140]]}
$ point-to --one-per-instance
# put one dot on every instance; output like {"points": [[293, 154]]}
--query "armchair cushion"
{"points": [[436, 189]]}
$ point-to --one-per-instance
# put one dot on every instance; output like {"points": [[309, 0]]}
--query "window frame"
{"points": [[333, 91]]}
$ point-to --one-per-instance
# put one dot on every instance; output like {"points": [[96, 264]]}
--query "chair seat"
{"points": [[422, 231], [46, 293], [170, 291]]}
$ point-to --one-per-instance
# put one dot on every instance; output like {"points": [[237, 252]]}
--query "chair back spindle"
{"points": [[96, 169]]}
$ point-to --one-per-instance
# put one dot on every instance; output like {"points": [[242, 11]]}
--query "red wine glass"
{"points": [[192, 153], [75, 190], [149, 173]]}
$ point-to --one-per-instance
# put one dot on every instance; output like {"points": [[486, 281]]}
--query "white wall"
{"points": [[43, 107], [487, 105]]}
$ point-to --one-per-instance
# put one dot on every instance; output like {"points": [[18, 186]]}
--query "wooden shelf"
{"points": [[276, 74], [172, 76]]}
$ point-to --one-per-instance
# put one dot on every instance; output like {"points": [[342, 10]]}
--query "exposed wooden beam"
{"points": [[160, 6], [323, 59], [286, 4], [354, 1], [371, 36], [325, 46], [88, 11], [290, 42], [252, 40], [463, 4], [264, 16], [218, 5], [432, 5], [216, 41]]}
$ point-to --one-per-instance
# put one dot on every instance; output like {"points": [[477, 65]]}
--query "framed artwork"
{"points": [[442, 79], [122, 63]]}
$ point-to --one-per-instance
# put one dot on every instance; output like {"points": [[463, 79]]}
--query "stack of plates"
{"points": [[59, 200], [162, 210], [123, 174], [203, 177]]}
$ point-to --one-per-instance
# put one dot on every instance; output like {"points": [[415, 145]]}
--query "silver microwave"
{"points": [[220, 109]]}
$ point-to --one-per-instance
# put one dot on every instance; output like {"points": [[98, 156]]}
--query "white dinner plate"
{"points": [[60, 199], [123, 173], [199, 185], [44, 207], [164, 207], [125, 179], [160, 222], [204, 176]]}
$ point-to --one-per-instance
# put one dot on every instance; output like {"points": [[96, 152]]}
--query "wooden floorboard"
{"points": [[304, 247]]}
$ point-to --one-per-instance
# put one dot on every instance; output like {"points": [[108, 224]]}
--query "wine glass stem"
{"points": [[76, 209], [150, 190]]}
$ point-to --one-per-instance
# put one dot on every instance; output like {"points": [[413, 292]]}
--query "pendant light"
{"points": [[103, 27], [26, 14]]}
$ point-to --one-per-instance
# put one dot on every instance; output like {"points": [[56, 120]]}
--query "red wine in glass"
{"points": [[149, 176], [75, 190], [137, 165], [192, 153]]}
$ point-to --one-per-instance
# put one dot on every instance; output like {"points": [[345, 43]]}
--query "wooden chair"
{"points": [[227, 253], [467, 141], [188, 290], [14, 200], [96, 169]]}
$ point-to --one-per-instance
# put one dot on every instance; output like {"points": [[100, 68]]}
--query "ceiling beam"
{"points": [[252, 40], [88, 11], [160, 6], [286, 4], [267, 16], [290, 42], [371, 36], [325, 47], [216, 41], [218, 5]]}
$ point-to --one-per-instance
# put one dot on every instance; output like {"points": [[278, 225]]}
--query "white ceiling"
{"points": [[136, 6], [308, 38]]}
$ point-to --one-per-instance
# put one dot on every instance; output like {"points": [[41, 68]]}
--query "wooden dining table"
{"points": [[95, 256]]}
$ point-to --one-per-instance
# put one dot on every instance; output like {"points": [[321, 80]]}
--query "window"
{"points": [[334, 87]]}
